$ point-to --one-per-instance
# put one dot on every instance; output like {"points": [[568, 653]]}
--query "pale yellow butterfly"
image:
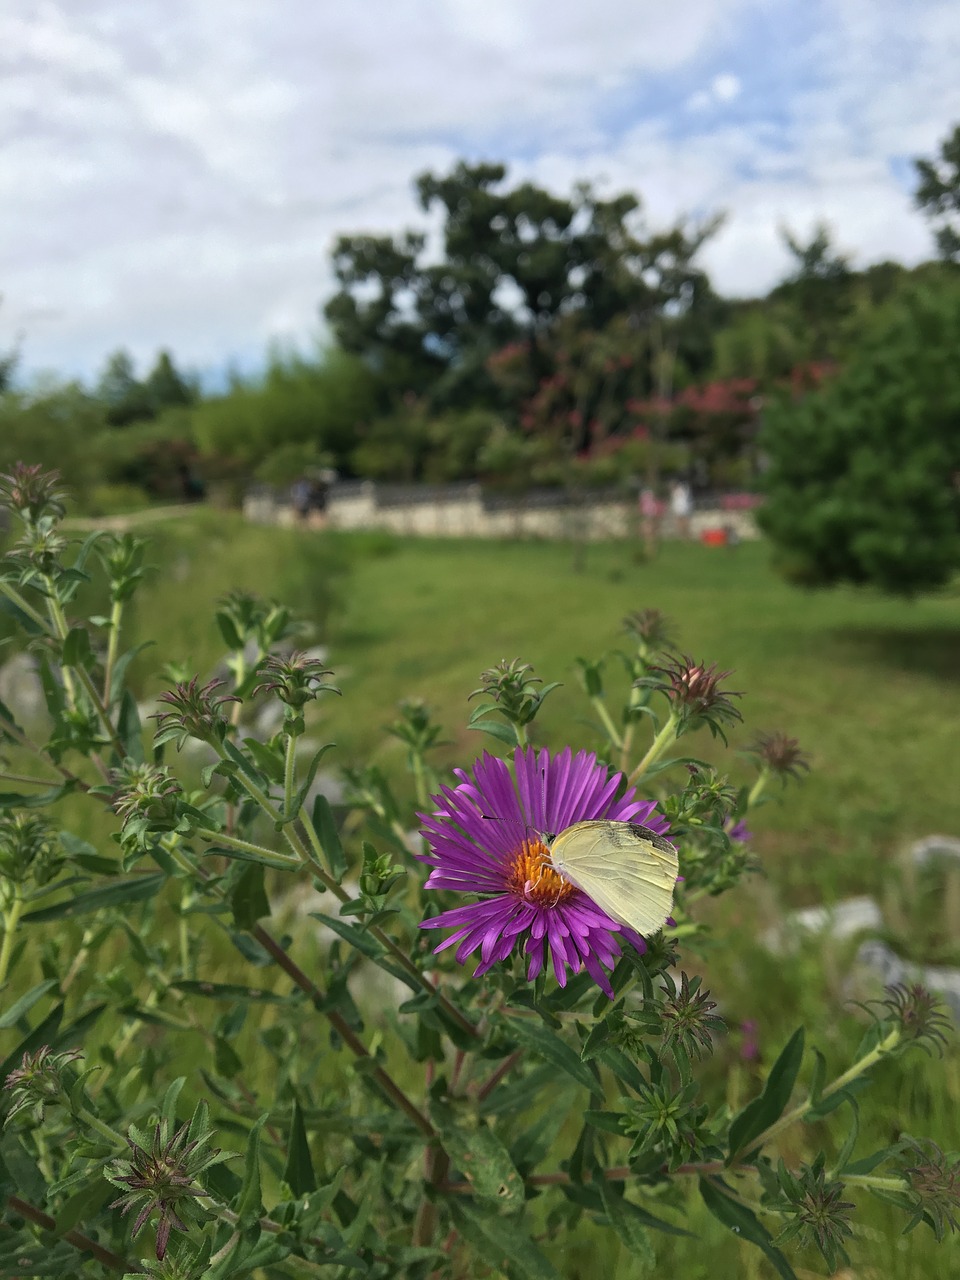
{"points": [[628, 870]]}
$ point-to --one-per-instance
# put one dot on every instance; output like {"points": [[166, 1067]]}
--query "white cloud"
{"points": [[173, 172], [725, 87]]}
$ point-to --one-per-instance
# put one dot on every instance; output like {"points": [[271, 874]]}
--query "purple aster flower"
{"points": [[487, 837], [739, 831]]}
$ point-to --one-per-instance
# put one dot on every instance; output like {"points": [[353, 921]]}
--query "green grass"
{"points": [[871, 687]]}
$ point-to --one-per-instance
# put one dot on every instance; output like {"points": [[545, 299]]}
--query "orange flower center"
{"points": [[533, 878]]}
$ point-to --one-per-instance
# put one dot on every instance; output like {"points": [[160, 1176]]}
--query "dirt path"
{"points": [[121, 524]]}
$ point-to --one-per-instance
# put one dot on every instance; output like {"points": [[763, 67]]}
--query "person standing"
{"points": [[681, 507], [649, 520]]}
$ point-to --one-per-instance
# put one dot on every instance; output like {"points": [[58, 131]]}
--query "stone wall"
{"points": [[467, 511]]}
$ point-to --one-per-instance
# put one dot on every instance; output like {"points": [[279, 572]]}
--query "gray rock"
{"points": [[840, 920], [20, 689], [933, 849]]}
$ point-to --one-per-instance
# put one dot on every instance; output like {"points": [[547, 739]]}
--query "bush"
{"points": [[862, 479]]}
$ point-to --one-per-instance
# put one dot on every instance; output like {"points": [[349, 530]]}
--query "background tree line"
{"points": [[542, 339]]}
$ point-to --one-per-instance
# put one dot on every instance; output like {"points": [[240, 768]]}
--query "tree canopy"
{"points": [[938, 194], [863, 480], [513, 262]]}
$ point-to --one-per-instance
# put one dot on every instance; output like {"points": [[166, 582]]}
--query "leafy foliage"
{"points": [[938, 194], [862, 484], [499, 1113]]}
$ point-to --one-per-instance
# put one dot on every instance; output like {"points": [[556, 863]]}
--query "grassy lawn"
{"points": [[871, 687]]}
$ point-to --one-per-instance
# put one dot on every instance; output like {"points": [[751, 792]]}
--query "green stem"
{"points": [[104, 1130], [17, 599], [185, 966], [887, 1045], [11, 919], [520, 731], [871, 1180], [757, 789], [28, 780], [79, 960], [61, 629], [113, 643], [660, 743], [419, 780], [280, 861], [601, 709], [289, 772], [101, 710]]}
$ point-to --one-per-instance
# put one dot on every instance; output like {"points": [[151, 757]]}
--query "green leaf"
{"points": [[485, 1163], [868, 1163], [228, 629], [501, 1241], [242, 762], [555, 1050], [227, 991], [135, 889], [249, 1204], [590, 1198], [76, 648], [846, 1151], [765, 1110], [37, 800], [329, 837], [296, 803], [630, 1227], [368, 946], [7, 718], [744, 1223], [608, 1121], [269, 761], [129, 729], [226, 1061], [120, 668], [248, 898], [496, 728], [85, 1204], [168, 1108], [26, 1002], [53, 693], [834, 1100], [298, 1173]]}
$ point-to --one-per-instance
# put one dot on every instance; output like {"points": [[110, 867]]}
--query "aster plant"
{"points": [[430, 1052]]}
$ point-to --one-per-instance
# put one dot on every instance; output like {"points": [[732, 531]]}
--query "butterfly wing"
{"points": [[628, 870]]}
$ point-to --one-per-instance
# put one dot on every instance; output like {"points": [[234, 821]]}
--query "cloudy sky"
{"points": [[173, 172]]}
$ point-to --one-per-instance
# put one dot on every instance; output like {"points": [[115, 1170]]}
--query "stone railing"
{"points": [[469, 511]]}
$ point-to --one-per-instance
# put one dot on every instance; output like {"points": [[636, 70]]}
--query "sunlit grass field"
{"points": [[870, 687]]}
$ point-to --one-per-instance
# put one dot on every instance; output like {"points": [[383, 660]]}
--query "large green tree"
{"points": [[938, 194], [8, 362], [122, 394], [166, 387], [863, 479], [818, 289], [512, 262]]}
